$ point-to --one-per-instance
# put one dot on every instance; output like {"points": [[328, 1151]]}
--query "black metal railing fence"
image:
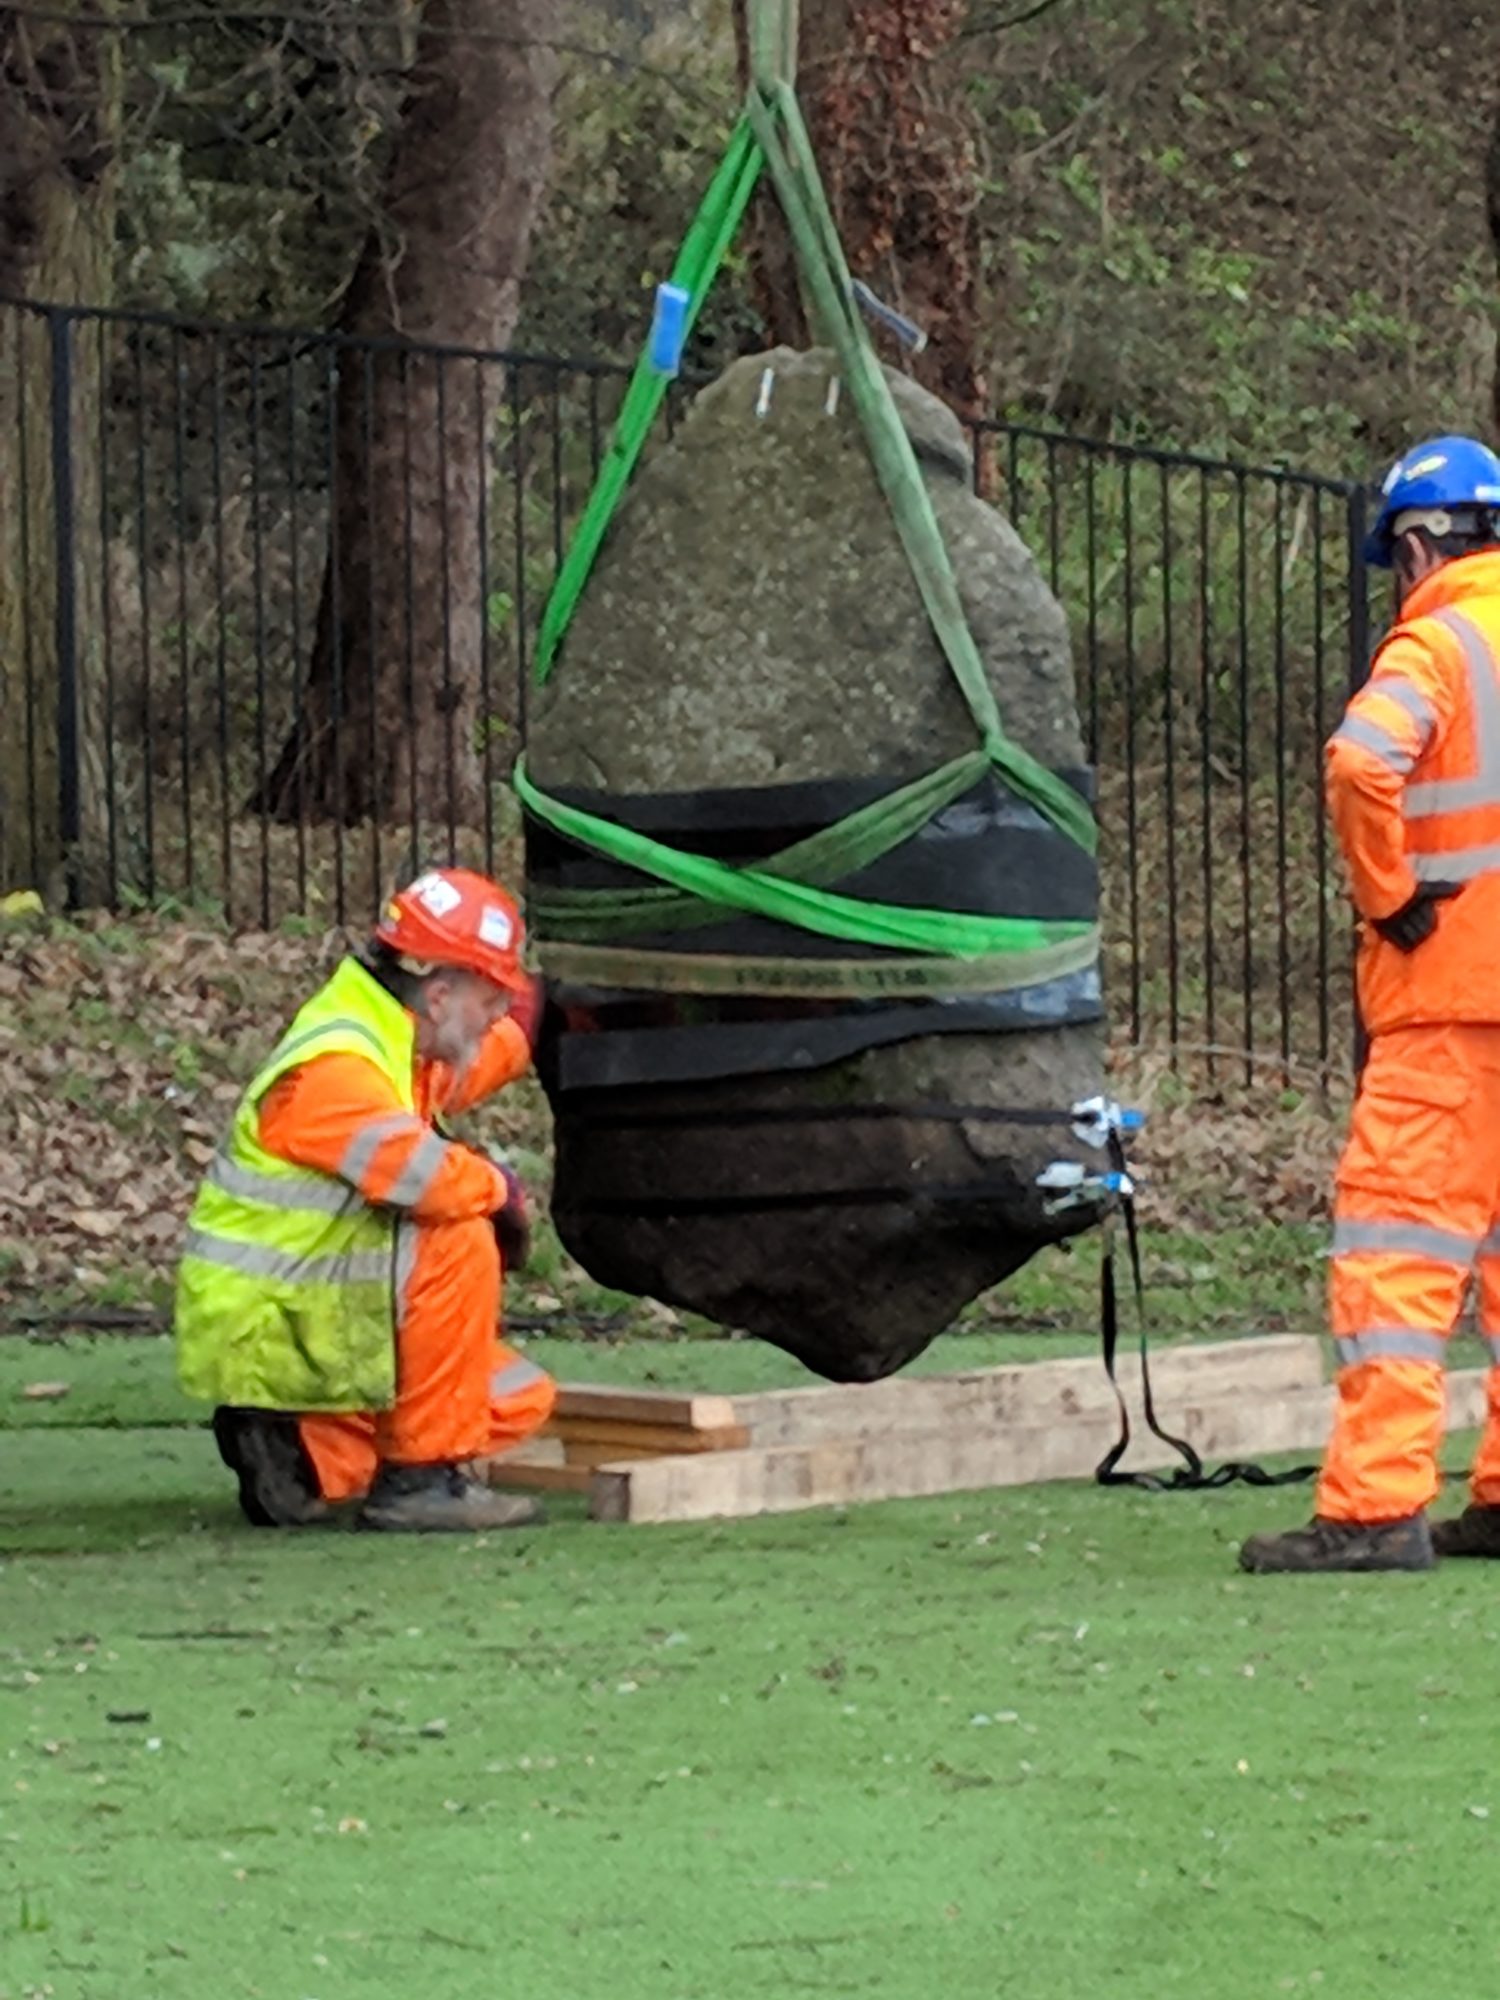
{"points": [[178, 519]]}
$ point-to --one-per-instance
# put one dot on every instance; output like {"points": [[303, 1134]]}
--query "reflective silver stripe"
{"points": [[406, 1262], [1379, 742], [420, 1171], [1413, 1239], [254, 1260], [1412, 699], [1444, 795], [303, 1196], [1492, 1342], [1390, 1343], [515, 1376], [1460, 864], [360, 1152], [1490, 1246], [341, 1025]]}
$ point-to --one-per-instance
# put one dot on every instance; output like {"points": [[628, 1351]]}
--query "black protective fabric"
{"points": [[603, 1116], [732, 1042], [988, 854]]}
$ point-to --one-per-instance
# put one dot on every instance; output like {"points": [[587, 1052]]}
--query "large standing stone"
{"points": [[751, 631]]}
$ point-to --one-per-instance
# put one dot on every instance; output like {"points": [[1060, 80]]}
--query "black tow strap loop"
{"points": [[1192, 1476]]}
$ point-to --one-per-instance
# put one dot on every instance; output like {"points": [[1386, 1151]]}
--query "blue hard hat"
{"points": [[1444, 472]]}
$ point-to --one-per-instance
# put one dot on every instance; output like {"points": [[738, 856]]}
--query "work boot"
{"points": [[1474, 1532], [265, 1452], [1346, 1545], [440, 1499]]}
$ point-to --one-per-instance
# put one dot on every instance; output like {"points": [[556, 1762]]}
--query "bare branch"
{"points": [[994, 27]]}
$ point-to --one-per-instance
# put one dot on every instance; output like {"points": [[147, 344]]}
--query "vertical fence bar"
{"points": [[294, 618], [185, 759], [1169, 754], [333, 363], [28, 637], [554, 401], [415, 854], [1356, 528], [258, 571], [376, 792], [1054, 531], [486, 690], [1278, 658], [143, 560], [1091, 564], [1132, 767], [518, 530], [1356, 523], [65, 605], [445, 564], [106, 623], [1320, 818], [1247, 950], [221, 622], [1206, 766]]}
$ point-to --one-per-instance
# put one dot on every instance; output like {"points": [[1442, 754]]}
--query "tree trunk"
{"points": [[392, 713], [59, 106], [899, 163]]}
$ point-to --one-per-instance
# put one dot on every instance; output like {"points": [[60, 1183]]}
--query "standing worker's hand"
{"points": [[512, 1222], [1416, 920]]}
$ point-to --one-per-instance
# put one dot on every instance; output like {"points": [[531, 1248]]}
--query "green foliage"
{"points": [[634, 149], [1191, 236], [1185, 221]]}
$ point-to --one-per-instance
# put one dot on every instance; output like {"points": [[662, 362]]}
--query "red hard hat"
{"points": [[451, 916]]}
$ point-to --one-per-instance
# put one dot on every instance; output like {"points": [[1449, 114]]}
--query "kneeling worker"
{"points": [[339, 1293]]}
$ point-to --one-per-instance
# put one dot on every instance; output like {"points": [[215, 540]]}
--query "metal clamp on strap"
{"points": [[1094, 1118], [1076, 1186]]}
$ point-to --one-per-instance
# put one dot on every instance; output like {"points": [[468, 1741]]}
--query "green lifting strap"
{"points": [[945, 932], [820, 860], [698, 260], [788, 886]]}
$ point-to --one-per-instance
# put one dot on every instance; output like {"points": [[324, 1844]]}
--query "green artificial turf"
{"points": [[1032, 1743]]}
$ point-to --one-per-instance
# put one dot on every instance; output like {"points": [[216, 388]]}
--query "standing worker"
{"points": [[1413, 785], [339, 1293]]}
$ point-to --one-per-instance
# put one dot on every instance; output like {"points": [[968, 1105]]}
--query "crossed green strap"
{"points": [[790, 887]]}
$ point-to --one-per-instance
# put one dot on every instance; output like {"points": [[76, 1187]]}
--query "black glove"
{"points": [[512, 1223], [1416, 920]]}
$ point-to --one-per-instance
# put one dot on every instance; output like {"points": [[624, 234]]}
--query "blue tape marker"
{"points": [[669, 329]]}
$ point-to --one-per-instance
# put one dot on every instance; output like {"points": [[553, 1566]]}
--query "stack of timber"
{"points": [[645, 1455]]}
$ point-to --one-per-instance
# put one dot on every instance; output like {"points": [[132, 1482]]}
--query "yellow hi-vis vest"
{"points": [[288, 1287]]}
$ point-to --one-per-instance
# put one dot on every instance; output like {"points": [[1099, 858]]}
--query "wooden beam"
{"points": [[641, 1441], [905, 1465], [1033, 1392], [536, 1475], [644, 1406], [645, 1440]]}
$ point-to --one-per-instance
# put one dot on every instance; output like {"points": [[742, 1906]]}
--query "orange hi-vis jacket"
{"points": [[1413, 786], [339, 1115]]}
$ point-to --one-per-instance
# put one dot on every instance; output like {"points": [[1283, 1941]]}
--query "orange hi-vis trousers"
{"points": [[1416, 1221], [461, 1392]]}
